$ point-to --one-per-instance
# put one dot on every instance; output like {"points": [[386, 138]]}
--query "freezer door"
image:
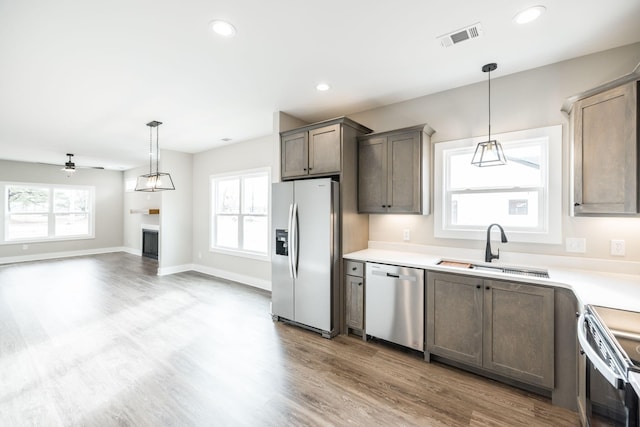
{"points": [[316, 250], [282, 292]]}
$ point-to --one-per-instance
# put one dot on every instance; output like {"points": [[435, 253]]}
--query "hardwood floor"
{"points": [[102, 341]]}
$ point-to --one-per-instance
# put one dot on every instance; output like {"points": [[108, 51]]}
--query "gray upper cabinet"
{"points": [[503, 327], [393, 171], [605, 143], [313, 152], [294, 150]]}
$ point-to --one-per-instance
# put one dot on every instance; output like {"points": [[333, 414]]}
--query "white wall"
{"points": [[132, 223], [519, 101], [176, 213], [108, 214], [256, 153]]}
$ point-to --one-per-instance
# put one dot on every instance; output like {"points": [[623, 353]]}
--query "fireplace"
{"points": [[150, 243]]}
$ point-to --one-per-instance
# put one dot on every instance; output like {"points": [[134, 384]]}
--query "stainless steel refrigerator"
{"points": [[305, 253]]}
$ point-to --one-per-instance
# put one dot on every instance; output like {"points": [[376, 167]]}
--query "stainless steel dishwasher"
{"points": [[394, 304]]}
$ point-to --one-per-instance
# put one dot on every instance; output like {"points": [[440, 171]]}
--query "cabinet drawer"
{"points": [[354, 268]]}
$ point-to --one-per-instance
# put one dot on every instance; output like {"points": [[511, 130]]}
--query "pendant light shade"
{"points": [[154, 181], [489, 153]]}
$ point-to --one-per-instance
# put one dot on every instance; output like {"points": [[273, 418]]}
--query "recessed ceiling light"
{"points": [[223, 28], [529, 14], [323, 87]]}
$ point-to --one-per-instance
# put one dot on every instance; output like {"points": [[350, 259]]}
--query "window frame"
{"points": [[549, 230], [51, 213], [241, 175]]}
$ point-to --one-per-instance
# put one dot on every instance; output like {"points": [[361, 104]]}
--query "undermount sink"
{"points": [[496, 269]]}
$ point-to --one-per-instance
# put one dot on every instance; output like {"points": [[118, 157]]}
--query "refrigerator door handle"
{"points": [[294, 241], [290, 242]]}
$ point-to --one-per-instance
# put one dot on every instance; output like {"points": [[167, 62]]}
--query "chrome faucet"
{"points": [[488, 255]]}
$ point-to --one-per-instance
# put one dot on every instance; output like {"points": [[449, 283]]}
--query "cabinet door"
{"points": [[519, 331], [294, 161], [454, 317], [355, 302], [372, 175], [605, 147], [404, 175], [325, 150]]}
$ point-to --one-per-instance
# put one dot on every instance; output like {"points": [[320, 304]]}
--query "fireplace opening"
{"points": [[150, 243]]}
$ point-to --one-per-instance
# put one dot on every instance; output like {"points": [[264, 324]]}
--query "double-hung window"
{"points": [[524, 196], [44, 212], [240, 213]]}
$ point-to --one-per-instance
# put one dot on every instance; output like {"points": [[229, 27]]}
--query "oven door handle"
{"points": [[609, 374]]}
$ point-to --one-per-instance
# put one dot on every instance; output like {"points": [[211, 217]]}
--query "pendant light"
{"points": [[489, 153], [154, 181]]}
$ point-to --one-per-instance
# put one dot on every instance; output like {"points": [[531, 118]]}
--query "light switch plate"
{"points": [[576, 245]]}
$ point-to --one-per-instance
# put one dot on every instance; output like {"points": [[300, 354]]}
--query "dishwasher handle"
{"points": [[394, 275]]}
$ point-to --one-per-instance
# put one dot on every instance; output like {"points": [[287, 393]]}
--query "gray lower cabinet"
{"points": [[605, 144], [354, 287], [393, 171], [503, 327]]}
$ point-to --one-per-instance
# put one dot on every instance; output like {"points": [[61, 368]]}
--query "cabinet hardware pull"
{"points": [[478, 286], [487, 288], [576, 204]]}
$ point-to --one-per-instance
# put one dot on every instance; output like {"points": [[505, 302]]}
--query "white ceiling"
{"points": [[85, 76]]}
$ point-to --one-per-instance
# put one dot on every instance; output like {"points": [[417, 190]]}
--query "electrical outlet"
{"points": [[617, 248], [576, 245], [25, 247], [406, 235]]}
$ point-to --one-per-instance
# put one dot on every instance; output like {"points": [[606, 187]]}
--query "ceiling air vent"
{"points": [[470, 32]]}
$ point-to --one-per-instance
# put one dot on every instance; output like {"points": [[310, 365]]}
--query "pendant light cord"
{"points": [[150, 149], [157, 150], [489, 139]]}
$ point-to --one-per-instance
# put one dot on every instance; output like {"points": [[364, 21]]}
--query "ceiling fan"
{"points": [[70, 166]]}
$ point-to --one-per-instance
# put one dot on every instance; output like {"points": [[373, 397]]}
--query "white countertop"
{"points": [[590, 287]]}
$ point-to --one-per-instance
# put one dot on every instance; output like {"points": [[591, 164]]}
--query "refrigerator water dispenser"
{"points": [[282, 242]]}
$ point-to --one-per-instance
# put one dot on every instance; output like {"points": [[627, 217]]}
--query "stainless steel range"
{"points": [[610, 339]]}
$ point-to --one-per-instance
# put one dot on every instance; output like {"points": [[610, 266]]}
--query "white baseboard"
{"points": [[64, 254], [223, 274]]}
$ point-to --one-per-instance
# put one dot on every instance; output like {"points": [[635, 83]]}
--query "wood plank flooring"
{"points": [[102, 341]]}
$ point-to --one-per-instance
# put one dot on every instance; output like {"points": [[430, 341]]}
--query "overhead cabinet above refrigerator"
{"points": [[305, 254]]}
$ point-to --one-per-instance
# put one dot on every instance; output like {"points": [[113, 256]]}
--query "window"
{"points": [[240, 208], [43, 212], [522, 196]]}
